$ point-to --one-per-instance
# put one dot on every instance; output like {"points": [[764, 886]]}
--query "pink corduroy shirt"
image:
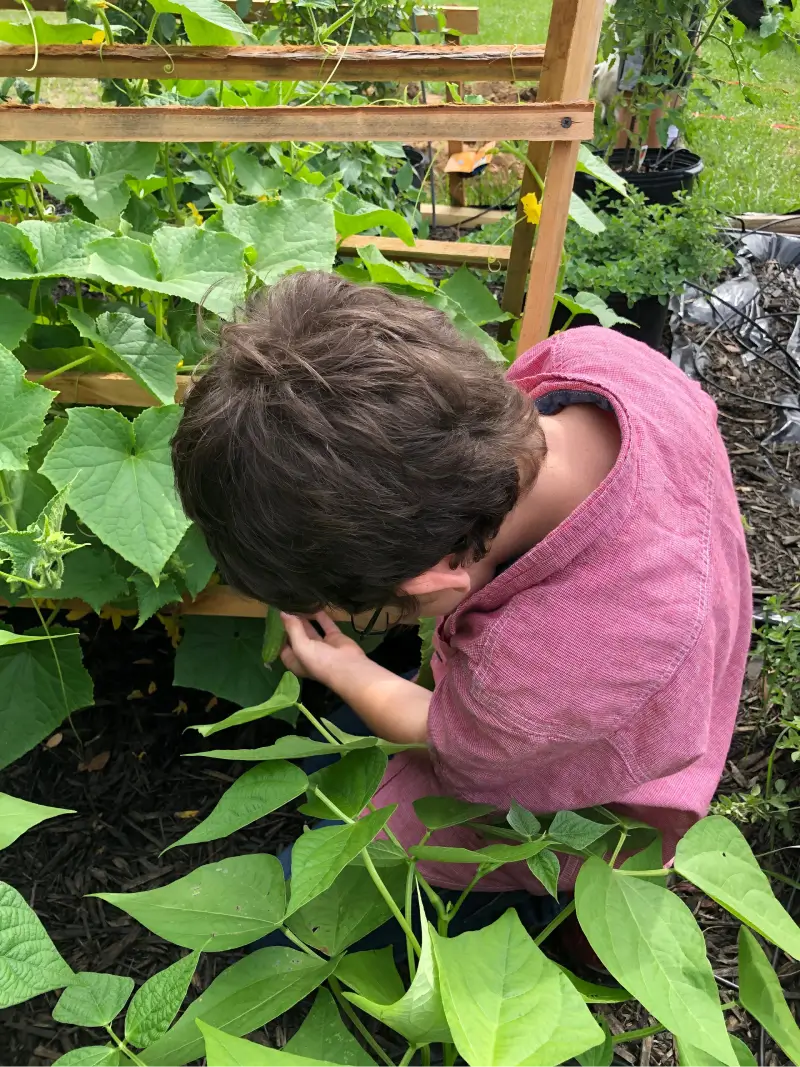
{"points": [[605, 665]]}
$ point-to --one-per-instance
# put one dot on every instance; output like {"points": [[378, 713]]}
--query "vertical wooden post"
{"points": [[455, 181], [569, 59]]}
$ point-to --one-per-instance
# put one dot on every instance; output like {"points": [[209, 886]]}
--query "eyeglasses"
{"points": [[369, 629]]}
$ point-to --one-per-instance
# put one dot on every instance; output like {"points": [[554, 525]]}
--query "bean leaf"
{"points": [[156, 1003], [91, 1056], [761, 994], [29, 961], [255, 794], [715, 857], [569, 828], [522, 820], [17, 816], [506, 1002], [92, 999], [546, 866], [437, 813], [218, 907], [323, 1037], [285, 696], [649, 941], [372, 974], [350, 783], [223, 1050], [319, 855], [243, 998]]}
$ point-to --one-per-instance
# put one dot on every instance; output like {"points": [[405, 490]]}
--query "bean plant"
{"points": [[488, 996]]}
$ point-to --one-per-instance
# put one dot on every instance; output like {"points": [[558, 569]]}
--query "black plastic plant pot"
{"points": [[663, 174], [648, 314]]}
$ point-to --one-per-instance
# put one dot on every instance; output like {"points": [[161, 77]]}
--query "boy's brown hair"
{"points": [[344, 440]]}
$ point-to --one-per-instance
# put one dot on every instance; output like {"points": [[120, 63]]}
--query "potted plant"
{"points": [[655, 62], [645, 254]]}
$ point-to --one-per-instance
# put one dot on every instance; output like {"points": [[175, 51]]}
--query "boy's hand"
{"points": [[324, 658]]}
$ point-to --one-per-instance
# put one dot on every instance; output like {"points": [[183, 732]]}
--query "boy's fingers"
{"points": [[326, 623], [297, 630]]}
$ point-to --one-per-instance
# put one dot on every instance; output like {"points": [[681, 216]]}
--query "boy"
{"points": [[572, 524]]}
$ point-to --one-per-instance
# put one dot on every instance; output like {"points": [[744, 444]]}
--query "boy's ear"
{"points": [[438, 579]]}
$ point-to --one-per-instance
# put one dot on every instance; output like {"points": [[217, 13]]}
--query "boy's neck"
{"points": [[583, 443]]}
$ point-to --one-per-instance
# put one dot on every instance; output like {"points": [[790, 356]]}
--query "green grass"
{"points": [[749, 165]]}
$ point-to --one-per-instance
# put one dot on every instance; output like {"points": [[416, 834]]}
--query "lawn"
{"points": [[752, 164]]}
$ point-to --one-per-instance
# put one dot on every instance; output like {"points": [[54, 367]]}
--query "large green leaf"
{"points": [[133, 348], [350, 783], [37, 693], [91, 574], [121, 481], [92, 1056], [761, 994], [319, 855], [506, 1002], [473, 297], [14, 321], [29, 961], [715, 857], [576, 831], [601, 1055], [372, 974], [156, 1003], [192, 560], [286, 695], [583, 215], [244, 997], [46, 32], [590, 163], [223, 656], [200, 265], [96, 173], [437, 813], [383, 272], [350, 909], [323, 1037], [150, 597], [16, 167], [546, 867], [23, 406], [354, 215], [218, 907], [17, 816], [418, 1015], [492, 855], [649, 941], [691, 1056], [35, 249], [285, 234], [223, 1050], [213, 11], [255, 794], [92, 999]]}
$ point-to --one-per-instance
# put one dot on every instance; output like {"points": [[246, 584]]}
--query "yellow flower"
{"points": [[198, 218], [98, 37], [532, 208], [116, 615]]}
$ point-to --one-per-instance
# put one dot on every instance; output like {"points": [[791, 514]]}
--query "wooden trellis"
{"points": [[554, 126]]}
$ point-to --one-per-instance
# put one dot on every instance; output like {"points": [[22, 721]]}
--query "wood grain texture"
{"points": [[570, 54], [278, 62], [466, 218], [479, 256], [463, 19], [530, 122]]}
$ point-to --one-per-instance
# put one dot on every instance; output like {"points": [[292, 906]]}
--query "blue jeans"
{"points": [[478, 910]]}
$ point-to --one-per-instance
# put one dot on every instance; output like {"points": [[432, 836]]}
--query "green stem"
{"points": [[480, 873], [390, 902], [408, 1056], [409, 905], [79, 295], [622, 839], [124, 1048], [287, 933], [330, 804], [37, 92], [6, 505], [158, 305], [432, 896], [34, 294], [171, 197], [317, 724], [151, 29], [351, 1014], [551, 926], [636, 1035], [63, 370], [106, 26], [662, 872]]}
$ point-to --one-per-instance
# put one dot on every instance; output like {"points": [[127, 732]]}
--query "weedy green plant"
{"points": [[490, 996]]}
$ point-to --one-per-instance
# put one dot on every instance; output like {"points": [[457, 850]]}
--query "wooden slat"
{"points": [[531, 122], [277, 62], [478, 256], [770, 223], [222, 600], [570, 53], [109, 390], [467, 218], [462, 19]]}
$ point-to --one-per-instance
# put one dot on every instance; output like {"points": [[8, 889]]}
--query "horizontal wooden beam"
{"points": [[105, 390], [452, 253], [467, 218], [463, 20], [386, 63], [769, 223], [480, 122], [222, 600]]}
